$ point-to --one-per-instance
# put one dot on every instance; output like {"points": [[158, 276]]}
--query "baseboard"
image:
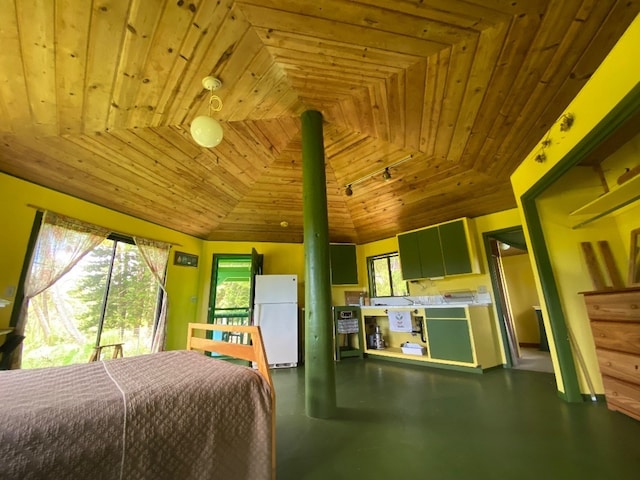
{"points": [[528, 345]]}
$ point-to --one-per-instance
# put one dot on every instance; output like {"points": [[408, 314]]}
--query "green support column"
{"points": [[320, 379]]}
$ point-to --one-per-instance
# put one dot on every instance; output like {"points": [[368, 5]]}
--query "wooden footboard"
{"points": [[253, 353]]}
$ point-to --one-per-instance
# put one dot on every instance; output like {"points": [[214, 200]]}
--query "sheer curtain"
{"points": [[61, 244], [156, 256]]}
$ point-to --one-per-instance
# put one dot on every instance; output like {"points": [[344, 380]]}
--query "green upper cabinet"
{"points": [[344, 266], [409, 256], [455, 248], [437, 251], [431, 262]]}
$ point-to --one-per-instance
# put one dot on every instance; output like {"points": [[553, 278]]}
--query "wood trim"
{"points": [[252, 353], [633, 278], [616, 118], [493, 273]]}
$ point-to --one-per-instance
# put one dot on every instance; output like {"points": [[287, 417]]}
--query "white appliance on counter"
{"points": [[276, 312]]}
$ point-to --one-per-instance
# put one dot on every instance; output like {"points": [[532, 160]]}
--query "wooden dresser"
{"points": [[615, 323]]}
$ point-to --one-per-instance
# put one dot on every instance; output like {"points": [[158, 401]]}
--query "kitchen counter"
{"points": [[419, 307], [453, 335]]}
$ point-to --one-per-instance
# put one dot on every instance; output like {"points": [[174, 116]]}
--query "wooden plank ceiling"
{"points": [[96, 99]]}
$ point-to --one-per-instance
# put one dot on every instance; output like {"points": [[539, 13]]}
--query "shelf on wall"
{"points": [[609, 202]]}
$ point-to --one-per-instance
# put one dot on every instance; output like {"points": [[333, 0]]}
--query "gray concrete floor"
{"points": [[409, 422], [535, 360]]}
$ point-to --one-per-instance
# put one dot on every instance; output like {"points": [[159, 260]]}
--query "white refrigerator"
{"points": [[276, 312]]}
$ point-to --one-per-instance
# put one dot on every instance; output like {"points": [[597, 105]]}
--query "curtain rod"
{"points": [[126, 234]]}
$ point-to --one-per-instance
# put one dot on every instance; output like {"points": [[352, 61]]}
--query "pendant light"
{"points": [[206, 130]]}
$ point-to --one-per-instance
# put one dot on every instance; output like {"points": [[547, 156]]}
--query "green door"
{"points": [[455, 251]]}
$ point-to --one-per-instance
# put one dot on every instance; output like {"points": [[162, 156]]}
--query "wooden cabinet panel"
{"points": [[614, 306], [615, 323], [622, 396], [625, 366], [623, 337]]}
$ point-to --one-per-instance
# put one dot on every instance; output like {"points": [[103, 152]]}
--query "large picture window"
{"points": [[385, 276], [110, 296], [86, 287]]}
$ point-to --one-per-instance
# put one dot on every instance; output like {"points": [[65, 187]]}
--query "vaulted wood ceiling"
{"points": [[96, 99]]}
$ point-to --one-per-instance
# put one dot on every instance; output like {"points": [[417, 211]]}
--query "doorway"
{"points": [[232, 292], [517, 303]]}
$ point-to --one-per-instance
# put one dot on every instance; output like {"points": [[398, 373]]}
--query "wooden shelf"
{"points": [[608, 203]]}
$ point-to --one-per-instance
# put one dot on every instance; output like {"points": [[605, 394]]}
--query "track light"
{"points": [[386, 175]]}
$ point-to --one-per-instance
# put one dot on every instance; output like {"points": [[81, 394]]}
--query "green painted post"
{"points": [[320, 380]]}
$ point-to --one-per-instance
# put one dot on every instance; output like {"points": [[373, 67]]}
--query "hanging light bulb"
{"points": [[206, 130], [348, 191]]}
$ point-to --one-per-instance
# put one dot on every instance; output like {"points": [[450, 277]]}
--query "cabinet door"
{"points": [[449, 340], [455, 250], [409, 256], [344, 267], [431, 263]]}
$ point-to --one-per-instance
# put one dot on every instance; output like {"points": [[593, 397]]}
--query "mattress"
{"points": [[168, 415]]}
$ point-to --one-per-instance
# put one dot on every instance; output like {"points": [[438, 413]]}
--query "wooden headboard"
{"points": [[253, 353]]}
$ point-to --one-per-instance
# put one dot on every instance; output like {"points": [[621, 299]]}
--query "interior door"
{"points": [[256, 269]]}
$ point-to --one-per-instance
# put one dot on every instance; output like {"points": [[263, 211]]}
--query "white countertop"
{"points": [[419, 307]]}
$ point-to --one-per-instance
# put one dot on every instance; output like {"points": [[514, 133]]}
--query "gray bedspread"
{"points": [[169, 415]]}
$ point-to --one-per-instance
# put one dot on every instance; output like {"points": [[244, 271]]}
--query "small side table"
{"points": [[117, 351]]}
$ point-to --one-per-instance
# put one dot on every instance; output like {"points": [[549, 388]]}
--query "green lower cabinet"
{"points": [[449, 340]]}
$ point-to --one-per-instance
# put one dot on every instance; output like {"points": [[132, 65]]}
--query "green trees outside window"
{"points": [[89, 306], [385, 276]]}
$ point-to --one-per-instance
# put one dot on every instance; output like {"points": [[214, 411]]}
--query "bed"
{"points": [[168, 415]]}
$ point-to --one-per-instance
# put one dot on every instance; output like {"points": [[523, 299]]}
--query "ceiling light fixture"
{"points": [[386, 175], [206, 130]]}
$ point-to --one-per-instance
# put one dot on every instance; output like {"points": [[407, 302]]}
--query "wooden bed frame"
{"points": [[253, 353]]}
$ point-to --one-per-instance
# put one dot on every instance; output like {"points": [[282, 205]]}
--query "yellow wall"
{"points": [[617, 76], [16, 218], [478, 226], [188, 287], [522, 296]]}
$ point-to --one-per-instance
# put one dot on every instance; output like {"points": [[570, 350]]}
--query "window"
{"points": [[385, 276], [110, 296]]}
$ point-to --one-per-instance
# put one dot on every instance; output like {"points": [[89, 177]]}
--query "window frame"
{"points": [[372, 277]]}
